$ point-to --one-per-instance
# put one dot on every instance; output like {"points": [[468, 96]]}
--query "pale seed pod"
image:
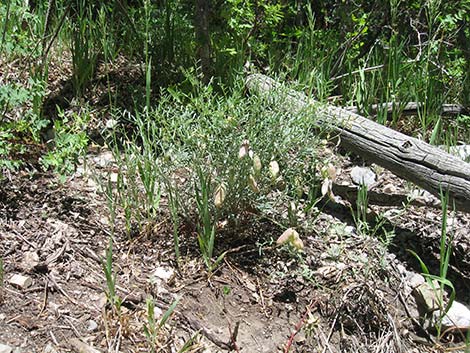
{"points": [[219, 195], [253, 184], [290, 236], [257, 164], [274, 169]]}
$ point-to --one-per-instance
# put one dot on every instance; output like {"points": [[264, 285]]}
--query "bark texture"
{"points": [[426, 166]]}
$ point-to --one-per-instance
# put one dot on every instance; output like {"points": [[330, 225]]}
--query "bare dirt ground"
{"points": [[345, 293]]}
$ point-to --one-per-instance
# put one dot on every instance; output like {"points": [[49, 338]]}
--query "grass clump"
{"points": [[212, 157]]}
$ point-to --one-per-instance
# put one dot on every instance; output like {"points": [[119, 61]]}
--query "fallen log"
{"points": [[424, 165], [410, 108]]}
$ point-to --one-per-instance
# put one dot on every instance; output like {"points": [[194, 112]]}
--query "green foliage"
{"points": [[444, 263], [152, 328], [21, 29], [84, 39], [70, 142], [113, 299], [210, 155]]}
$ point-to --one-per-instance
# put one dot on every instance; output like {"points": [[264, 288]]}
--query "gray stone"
{"points": [[30, 260], [92, 325], [427, 297], [363, 176], [20, 281], [5, 348], [416, 280], [458, 316]]}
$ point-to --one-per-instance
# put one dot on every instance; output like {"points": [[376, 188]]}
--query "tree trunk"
{"points": [[201, 24], [427, 166]]}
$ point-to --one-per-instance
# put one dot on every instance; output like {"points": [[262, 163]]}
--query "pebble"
{"points": [[164, 273], [416, 280], [427, 296], [30, 260], [20, 281], [82, 347], [5, 348], [92, 326], [363, 176], [457, 316], [104, 159]]}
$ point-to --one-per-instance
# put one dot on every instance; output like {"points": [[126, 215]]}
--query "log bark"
{"points": [[412, 159], [411, 108]]}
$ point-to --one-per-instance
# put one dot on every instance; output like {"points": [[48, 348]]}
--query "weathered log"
{"points": [[410, 108], [426, 166]]}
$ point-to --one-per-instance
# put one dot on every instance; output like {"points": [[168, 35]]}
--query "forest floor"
{"points": [[347, 292]]}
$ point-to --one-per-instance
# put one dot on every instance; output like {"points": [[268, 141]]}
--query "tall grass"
{"points": [[187, 148], [447, 237]]}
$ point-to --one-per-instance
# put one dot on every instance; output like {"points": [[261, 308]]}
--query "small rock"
{"points": [[104, 159], [49, 349], [92, 326], [416, 280], [401, 268], [164, 273], [363, 176], [458, 316], [389, 189], [30, 260], [427, 296], [82, 347], [20, 281], [5, 349]]}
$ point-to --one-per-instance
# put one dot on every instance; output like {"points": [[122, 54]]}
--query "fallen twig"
{"points": [[299, 325]]}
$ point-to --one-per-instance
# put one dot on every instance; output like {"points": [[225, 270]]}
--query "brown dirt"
{"points": [[345, 293]]}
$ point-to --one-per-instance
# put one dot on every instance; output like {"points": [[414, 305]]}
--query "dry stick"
{"points": [[59, 288], [44, 302], [367, 69], [233, 335], [54, 339], [299, 325], [330, 333], [414, 321], [54, 36]]}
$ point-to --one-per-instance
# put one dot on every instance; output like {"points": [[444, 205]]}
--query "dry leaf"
{"points": [[332, 172], [325, 187]]}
